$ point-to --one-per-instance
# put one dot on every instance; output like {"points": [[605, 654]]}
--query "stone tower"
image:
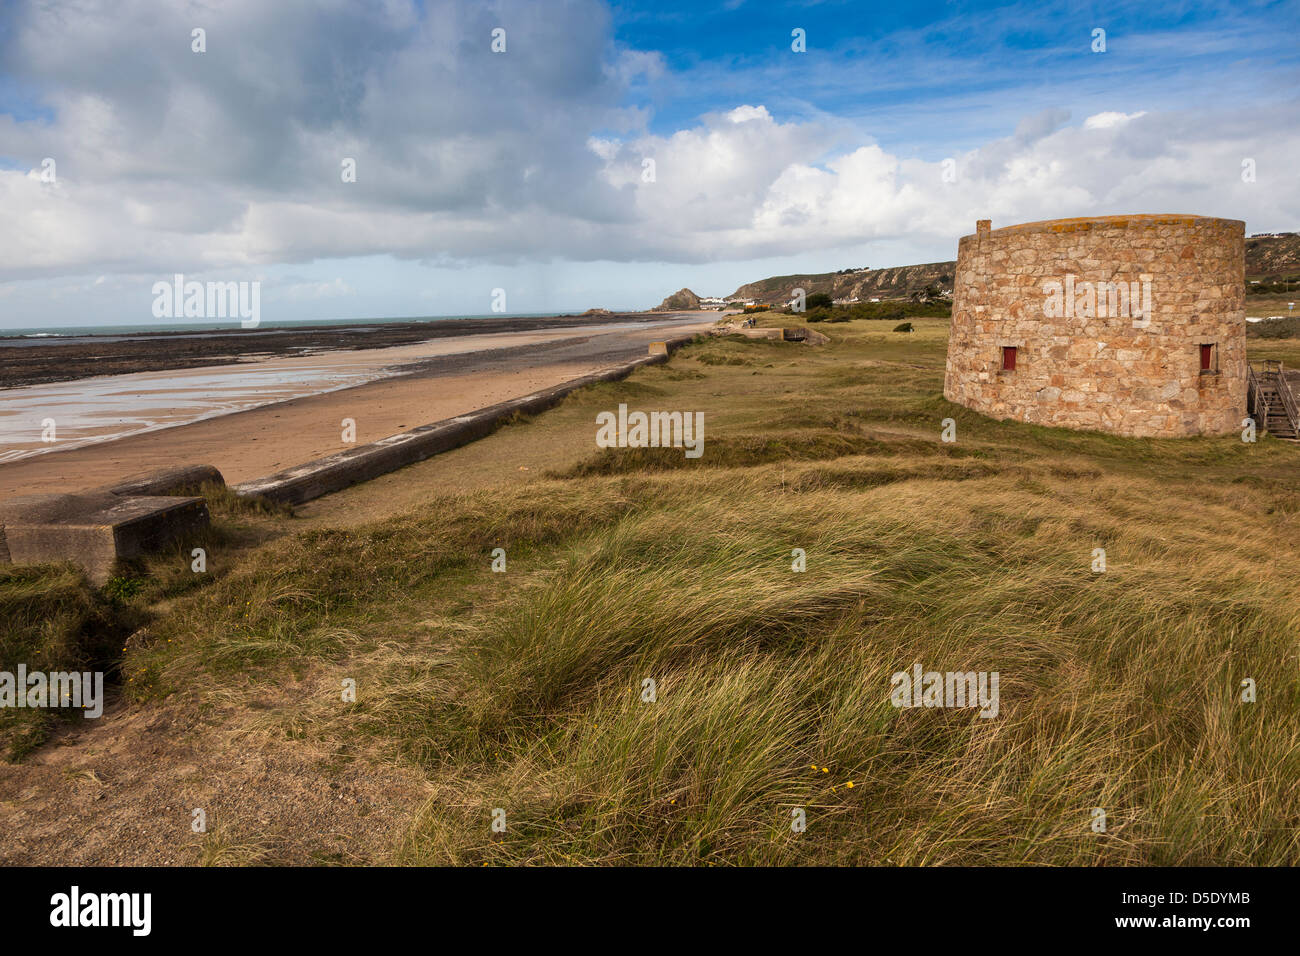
{"points": [[1127, 324]]}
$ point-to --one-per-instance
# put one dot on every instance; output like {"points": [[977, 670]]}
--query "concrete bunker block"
{"points": [[95, 529]]}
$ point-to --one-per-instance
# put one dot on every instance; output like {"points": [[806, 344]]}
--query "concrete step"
{"points": [[94, 529]]}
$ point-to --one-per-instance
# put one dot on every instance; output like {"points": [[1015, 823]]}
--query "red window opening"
{"points": [[1008, 358], [1207, 358]]}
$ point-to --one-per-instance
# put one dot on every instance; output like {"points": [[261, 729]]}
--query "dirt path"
{"points": [[122, 790]]}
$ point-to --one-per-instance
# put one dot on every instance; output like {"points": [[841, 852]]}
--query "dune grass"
{"points": [[527, 690], [52, 620]]}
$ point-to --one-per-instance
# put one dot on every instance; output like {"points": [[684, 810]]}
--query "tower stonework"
{"points": [[1133, 325]]}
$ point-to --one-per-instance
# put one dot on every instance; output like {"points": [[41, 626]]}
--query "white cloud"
{"points": [[764, 188], [743, 114], [170, 161], [1107, 120]]}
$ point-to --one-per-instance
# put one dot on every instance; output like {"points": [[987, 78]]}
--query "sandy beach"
{"points": [[256, 417], [34, 360]]}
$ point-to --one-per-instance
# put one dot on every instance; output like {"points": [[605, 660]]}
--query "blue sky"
{"points": [[525, 170], [936, 76]]}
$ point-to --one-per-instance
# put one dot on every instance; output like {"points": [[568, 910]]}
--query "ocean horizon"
{"points": [[37, 334]]}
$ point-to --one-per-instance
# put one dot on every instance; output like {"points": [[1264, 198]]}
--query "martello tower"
{"points": [[1127, 324]]}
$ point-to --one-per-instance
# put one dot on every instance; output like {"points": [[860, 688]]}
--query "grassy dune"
{"points": [[51, 620], [523, 690]]}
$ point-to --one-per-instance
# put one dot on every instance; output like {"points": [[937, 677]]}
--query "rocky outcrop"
{"points": [[679, 301]]}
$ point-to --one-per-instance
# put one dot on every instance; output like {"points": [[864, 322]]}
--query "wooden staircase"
{"points": [[1272, 402]]}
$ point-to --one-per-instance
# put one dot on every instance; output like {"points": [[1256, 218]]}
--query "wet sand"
{"points": [[450, 378], [115, 406], [32, 361]]}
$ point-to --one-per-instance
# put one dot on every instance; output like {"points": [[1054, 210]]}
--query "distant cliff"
{"points": [[864, 284], [679, 301], [1267, 256], [1273, 256]]}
